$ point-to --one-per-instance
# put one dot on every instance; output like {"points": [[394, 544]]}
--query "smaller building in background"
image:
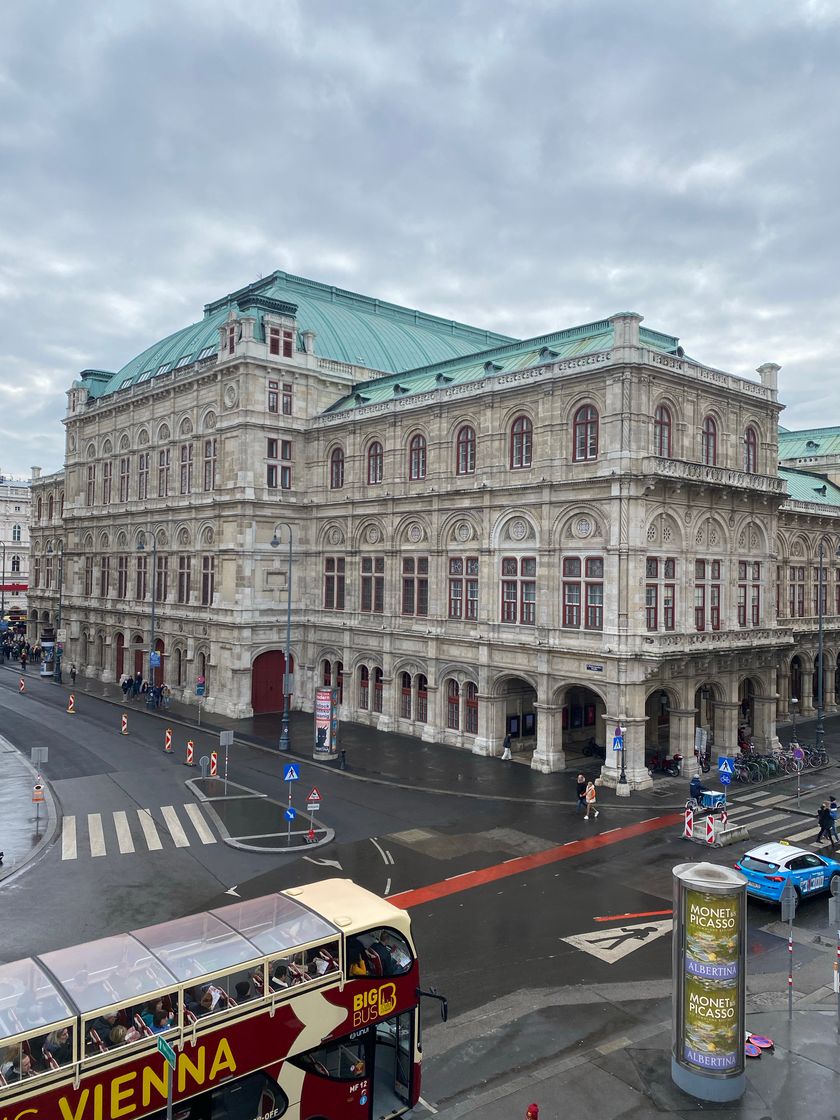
{"points": [[15, 510]]}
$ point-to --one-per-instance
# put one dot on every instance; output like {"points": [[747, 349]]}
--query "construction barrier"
{"points": [[688, 826], [22, 685], [214, 763], [190, 753], [123, 724], [710, 829], [71, 704], [167, 741]]}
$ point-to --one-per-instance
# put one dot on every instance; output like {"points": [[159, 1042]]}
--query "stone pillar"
{"points": [[549, 755], [783, 695], [764, 724], [491, 725], [806, 700], [682, 739], [829, 684], [635, 770], [429, 733], [385, 719], [726, 726]]}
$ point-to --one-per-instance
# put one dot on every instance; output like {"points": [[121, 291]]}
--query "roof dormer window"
{"points": [[165, 368], [185, 361], [280, 342], [205, 353]]}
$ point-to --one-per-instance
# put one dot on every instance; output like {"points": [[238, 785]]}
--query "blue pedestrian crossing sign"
{"points": [[618, 741], [292, 772], [725, 770], [290, 814]]}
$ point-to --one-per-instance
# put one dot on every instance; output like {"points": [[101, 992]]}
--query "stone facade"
{"points": [[14, 544], [550, 550]]}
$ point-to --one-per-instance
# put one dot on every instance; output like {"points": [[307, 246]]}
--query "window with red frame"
{"points": [[422, 699], [88, 576], [415, 585], [465, 450], [453, 705], [377, 690], [660, 592], [662, 432], [405, 695], [280, 341], [816, 591], [519, 590], [90, 495], [375, 463], [107, 474], [286, 399], [364, 687], [585, 433], [749, 592], [707, 594], [796, 591], [336, 469], [104, 576], [521, 443], [750, 450], [272, 396], [125, 474], [417, 458], [373, 585], [471, 705], [334, 583], [463, 587], [709, 442]]}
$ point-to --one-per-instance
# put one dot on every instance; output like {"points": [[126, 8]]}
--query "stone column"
{"points": [[385, 720], [635, 770], [429, 733], [491, 733], [806, 699], [726, 726], [764, 724], [549, 754], [682, 739], [829, 684], [783, 697]]}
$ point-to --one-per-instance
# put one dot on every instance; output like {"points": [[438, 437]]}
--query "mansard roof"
{"points": [[808, 486], [572, 343], [349, 327], [810, 443]]}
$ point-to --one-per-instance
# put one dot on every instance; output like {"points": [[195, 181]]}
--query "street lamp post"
{"points": [[283, 745], [622, 778], [3, 586], [793, 702], [57, 648], [150, 700]]}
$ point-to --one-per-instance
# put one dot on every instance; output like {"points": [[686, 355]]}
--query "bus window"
{"points": [[343, 1060], [297, 968], [378, 952]]}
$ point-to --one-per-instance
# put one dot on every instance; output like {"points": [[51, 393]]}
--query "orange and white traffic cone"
{"points": [[167, 741], [22, 685], [190, 753], [214, 763], [124, 724], [71, 704]]}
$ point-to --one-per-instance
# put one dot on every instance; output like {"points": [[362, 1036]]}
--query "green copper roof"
{"points": [[349, 328], [575, 342], [806, 486], [812, 442]]}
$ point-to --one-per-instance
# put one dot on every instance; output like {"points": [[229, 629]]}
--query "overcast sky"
{"points": [[519, 165]]}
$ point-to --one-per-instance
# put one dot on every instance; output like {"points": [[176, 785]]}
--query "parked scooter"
{"points": [[591, 748], [662, 764]]}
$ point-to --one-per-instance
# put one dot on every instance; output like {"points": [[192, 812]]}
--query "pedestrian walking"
{"points": [[532, 1112], [824, 817], [832, 808], [73, 674], [581, 793], [506, 755], [591, 796]]}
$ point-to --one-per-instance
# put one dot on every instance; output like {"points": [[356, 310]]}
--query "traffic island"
{"points": [[254, 822]]}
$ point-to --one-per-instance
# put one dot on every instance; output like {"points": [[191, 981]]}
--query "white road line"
{"points": [[609, 830], [174, 825], [149, 830], [201, 826], [426, 1104], [449, 878], [387, 887], [766, 801], [96, 835], [381, 851], [779, 828], [801, 835], [749, 796], [124, 839], [766, 820], [68, 838]]}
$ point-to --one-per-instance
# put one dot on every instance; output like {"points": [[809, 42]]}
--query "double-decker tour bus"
{"points": [[301, 1004]]}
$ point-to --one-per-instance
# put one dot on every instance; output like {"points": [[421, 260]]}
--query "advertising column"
{"points": [[710, 917], [326, 724]]}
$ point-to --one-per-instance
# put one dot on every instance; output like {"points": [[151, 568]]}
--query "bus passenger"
{"points": [[356, 958], [59, 1045], [161, 1021], [21, 1068]]}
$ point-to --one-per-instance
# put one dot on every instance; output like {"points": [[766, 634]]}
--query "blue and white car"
{"points": [[769, 867]]}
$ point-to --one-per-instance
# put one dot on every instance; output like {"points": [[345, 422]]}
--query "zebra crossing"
{"points": [[124, 831], [759, 811]]}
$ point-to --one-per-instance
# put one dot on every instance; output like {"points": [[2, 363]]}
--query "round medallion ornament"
{"points": [[463, 531], [415, 533], [372, 534], [336, 536], [518, 530], [231, 396], [583, 527]]}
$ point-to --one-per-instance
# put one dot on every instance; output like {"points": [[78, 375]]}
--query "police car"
{"points": [[769, 867]]}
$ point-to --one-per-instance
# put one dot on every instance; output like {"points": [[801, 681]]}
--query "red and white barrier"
{"points": [[214, 763], [190, 753], [22, 685], [123, 724], [167, 741], [71, 705], [688, 827]]}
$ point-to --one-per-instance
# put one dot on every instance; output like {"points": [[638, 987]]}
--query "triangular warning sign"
{"points": [[725, 766], [313, 794], [611, 944]]}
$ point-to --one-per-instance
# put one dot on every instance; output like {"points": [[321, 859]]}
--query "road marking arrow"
{"points": [[233, 892], [610, 945], [325, 862]]}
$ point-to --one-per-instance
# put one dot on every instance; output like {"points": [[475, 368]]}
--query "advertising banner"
{"points": [[326, 724], [709, 960]]}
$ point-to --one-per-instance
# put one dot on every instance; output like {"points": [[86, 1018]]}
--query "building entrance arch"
{"points": [[705, 699], [137, 646], [582, 714], [519, 712], [267, 674], [658, 726]]}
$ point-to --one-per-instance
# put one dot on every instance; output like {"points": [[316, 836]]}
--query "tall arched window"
{"points": [[374, 463], [15, 563], [521, 442], [38, 510], [465, 450], [336, 469], [453, 705], [364, 687], [585, 433], [61, 504], [417, 458], [471, 696], [405, 695], [50, 507], [16, 533], [377, 690], [750, 450], [422, 698], [662, 432], [709, 442]]}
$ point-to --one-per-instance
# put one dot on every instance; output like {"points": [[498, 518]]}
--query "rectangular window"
{"points": [[36, 572], [660, 596], [140, 583], [273, 396], [88, 577], [90, 495], [107, 472], [122, 577], [334, 583], [714, 605], [572, 570], [210, 464], [162, 578], [163, 473], [143, 476], [48, 570], [373, 584], [104, 576], [755, 604], [286, 450], [415, 585], [594, 606], [271, 476], [208, 580], [271, 448], [186, 468], [124, 477], [285, 478], [184, 578], [274, 340], [519, 590], [652, 607], [668, 606], [742, 604], [287, 399], [699, 607], [463, 587]]}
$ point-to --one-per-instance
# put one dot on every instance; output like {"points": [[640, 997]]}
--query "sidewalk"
{"points": [[24, 832]]}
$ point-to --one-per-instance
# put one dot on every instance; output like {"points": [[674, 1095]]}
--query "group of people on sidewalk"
{"points": [[827, 818], [136, 686]]}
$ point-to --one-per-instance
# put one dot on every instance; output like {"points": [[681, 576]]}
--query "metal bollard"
{"points": [[342, 764], [204, 763]]}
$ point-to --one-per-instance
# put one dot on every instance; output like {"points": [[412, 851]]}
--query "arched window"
{"points": [[662, 432], [38, 510], [422, 699], [471, 696], [453, 705], [465, 451], [15, 563], [709, 442], [326, 678], [61, 504], [16, 533], [338, 680], [521, 442], [405, 695], [585, 433], [417, 458], [750, 450], [179, 667], [50, 507], [336, 469], [374, 463], [377, 690], [364, 687]]}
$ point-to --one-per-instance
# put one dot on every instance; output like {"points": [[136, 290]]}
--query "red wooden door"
{"points": [[267, 681]]}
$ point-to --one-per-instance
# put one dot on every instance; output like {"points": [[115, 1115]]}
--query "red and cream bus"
{"points": [[301, 1004]]}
